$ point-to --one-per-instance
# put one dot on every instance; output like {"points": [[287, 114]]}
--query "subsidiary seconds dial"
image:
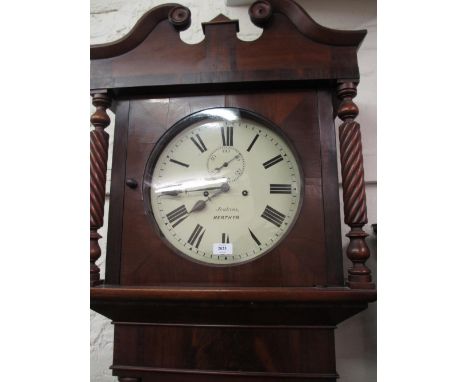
{"points": [[223, 186]]}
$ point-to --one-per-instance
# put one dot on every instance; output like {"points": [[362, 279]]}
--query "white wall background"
{"points": [[111, 19]]}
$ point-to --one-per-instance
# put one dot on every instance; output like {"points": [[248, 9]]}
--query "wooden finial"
{"points": [[180, 17], [260, 12]]}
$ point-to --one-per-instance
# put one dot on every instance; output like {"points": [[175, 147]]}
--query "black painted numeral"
{"points": [[272, 161], [196, 234], [252, 143], [177, 216], [228, 136], [273, 216], [224, 238], [280, 188], [199, 143], [254, 237], [179, 163]]}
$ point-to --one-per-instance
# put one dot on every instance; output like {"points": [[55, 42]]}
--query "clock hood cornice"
{"points": [[308, 51]]}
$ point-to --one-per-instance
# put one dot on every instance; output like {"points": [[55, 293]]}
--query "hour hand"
{"points": [[201, 204]]}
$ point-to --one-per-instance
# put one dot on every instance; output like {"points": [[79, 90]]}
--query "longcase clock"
{"points": [[224, 246]]}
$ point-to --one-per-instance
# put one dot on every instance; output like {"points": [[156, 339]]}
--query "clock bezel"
{"points": [[185, 123]]}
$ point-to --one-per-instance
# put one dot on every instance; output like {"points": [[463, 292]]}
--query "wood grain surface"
{"points": [[300, 260]]}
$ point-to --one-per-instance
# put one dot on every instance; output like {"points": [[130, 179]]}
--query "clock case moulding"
{"points": [[222, 328]]}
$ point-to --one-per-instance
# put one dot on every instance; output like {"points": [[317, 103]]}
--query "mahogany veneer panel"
{"points": [[300, 260], [252, 349]]}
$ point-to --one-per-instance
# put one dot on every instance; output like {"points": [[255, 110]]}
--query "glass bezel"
{"points": [[215, 114]]}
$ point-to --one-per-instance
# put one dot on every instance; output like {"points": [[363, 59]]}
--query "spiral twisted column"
{"points": [[354, 191], [99, 146]]}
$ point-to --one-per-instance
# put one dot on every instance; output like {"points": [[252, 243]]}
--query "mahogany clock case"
{"points": [[271, 319], [309, 255]]}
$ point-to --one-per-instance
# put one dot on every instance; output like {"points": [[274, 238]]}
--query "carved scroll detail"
{"points": [[178, 15], [354, 192], [261, 12], [99, 147]]}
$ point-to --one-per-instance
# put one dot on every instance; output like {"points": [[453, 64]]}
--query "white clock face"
{"points": [[225, 186]]}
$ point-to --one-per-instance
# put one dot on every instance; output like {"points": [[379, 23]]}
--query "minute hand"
{"points": [[180, 190]]}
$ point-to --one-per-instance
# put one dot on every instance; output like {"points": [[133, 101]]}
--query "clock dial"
{"points": [[224, 186]]}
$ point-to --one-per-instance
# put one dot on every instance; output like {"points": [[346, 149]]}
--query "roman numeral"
{"points": [[254, 237], [178, 215], [273, 216], [196, 234], [280, 188], [224, 238], [228, 137], [252, 143], [179, 163], [272, 161], [200, 144]]}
